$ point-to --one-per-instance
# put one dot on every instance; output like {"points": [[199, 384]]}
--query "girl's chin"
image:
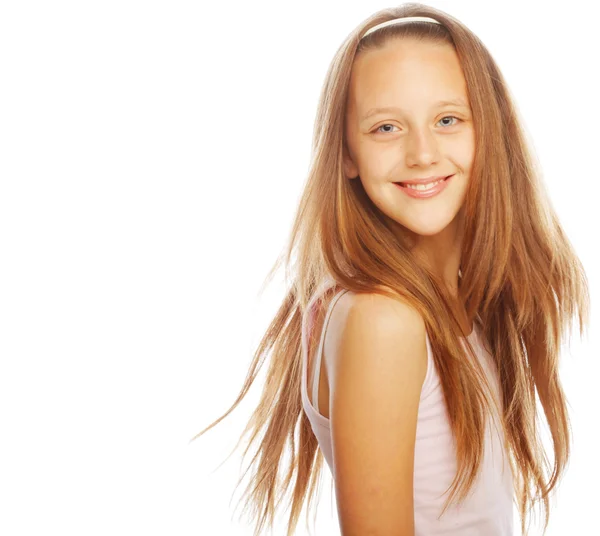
{"points": [[428, 228]]}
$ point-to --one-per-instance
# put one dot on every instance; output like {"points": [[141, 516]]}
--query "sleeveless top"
{"points": [[488, 508]]}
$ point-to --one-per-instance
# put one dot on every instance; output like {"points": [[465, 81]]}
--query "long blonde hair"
{"points": [[519, 274]]}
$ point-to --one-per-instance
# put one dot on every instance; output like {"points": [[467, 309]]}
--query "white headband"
{"points": [[397, 21]]}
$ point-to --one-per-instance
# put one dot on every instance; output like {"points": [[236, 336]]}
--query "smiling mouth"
{"points": [[422, 186]]}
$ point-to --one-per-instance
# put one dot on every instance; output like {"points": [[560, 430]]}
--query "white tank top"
{"points": [[488, 509]]}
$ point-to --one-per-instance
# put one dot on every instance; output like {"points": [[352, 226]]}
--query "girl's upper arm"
{"points": [[377, 361]]}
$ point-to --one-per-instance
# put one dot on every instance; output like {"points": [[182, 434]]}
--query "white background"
{"points": [[152, 155]]}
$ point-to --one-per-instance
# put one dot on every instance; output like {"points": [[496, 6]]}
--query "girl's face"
{"points": [[416, 136]]}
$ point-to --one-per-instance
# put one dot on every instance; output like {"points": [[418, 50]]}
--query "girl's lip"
{"points": [[424, 194], [426, 180]]}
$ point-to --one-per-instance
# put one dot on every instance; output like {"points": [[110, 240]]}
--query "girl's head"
{"points": [[519, 272], [447, 112], [408, 117]]}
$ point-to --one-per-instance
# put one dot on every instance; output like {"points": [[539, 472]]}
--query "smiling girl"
{"points": [[430, 295]]}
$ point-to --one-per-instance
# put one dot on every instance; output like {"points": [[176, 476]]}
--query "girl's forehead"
{"points": [[406, 60], [411, 72]]}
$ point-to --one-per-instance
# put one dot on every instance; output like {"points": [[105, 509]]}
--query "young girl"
{"points": [[432, 288]]}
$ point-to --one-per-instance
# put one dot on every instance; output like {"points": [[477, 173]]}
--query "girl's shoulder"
{"points": [[332, 289]]}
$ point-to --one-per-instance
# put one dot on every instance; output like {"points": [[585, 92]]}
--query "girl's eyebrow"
{"points": [[387, 109]]}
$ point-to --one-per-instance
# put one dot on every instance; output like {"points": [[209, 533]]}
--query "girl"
{"points": [[431, 291]]}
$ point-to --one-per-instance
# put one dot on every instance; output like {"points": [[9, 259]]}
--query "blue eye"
{"points": [[377, 130]]}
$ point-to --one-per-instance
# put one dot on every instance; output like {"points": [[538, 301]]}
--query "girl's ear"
{"points": [[350, 169]]}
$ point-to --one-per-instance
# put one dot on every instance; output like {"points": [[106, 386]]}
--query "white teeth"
{"points": [[426, 186]]}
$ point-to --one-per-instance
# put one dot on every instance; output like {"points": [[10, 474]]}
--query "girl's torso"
{"points": [[489, 508]]}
